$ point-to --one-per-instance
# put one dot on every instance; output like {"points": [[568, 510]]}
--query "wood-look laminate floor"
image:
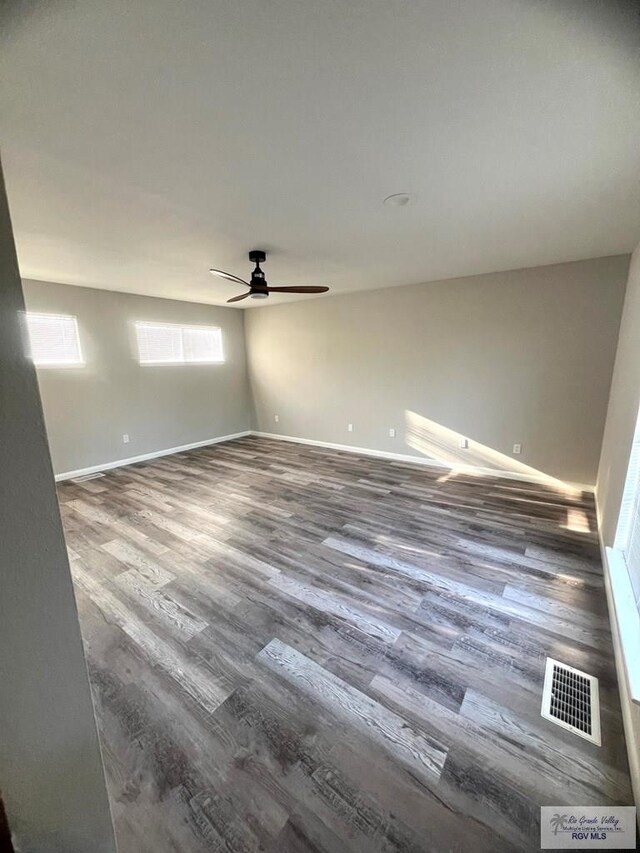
{"points": [[295, 650]]}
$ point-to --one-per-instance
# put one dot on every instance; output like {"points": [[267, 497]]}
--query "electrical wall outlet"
{"points": [[392, 433], [463, 443], [276, 418], [125, 438], [517, 449], [349, 427]]}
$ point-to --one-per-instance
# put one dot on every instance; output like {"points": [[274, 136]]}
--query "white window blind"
{"points": [[54, 340], [628, 532], [165, 343], [632, 552], [202, 344]]}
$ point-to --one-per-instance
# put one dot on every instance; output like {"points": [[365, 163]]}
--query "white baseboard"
{"points": [[119, 463], [432, 463], [348, 448]]}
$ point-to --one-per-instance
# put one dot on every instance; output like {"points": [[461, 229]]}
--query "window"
{"points": [[628, 532], [164, 343], [623, 564], [54, 340]]}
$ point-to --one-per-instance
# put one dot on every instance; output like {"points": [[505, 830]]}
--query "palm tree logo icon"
{"points": [[557, 822]]}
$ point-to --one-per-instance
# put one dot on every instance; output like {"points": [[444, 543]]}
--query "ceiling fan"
{"points": [[258, 286]]}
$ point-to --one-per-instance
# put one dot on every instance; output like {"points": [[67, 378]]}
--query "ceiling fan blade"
{"points": [[297, 289], [238, 298], [229, 276]]}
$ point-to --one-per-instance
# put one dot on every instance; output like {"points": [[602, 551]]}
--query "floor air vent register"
{"points": [[84, 477], [570, 699]]}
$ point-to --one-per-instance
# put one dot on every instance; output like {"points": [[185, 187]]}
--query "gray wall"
{"points": [[50, 768], [616, 447], [88, 409], [523, 356]]}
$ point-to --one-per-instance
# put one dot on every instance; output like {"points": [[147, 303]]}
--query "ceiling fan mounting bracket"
{"points": [[257, 256]]}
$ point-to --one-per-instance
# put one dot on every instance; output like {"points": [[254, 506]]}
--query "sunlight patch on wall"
{"points": [[442, 444]]}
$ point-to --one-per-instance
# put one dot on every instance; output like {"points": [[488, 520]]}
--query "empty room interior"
{"points": [[319, 434]]}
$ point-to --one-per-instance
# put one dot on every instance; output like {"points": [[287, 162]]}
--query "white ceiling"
{"points": [[145, 141]]}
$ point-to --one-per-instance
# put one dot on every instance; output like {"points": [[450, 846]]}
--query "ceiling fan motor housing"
{"points": [[257, 256]]}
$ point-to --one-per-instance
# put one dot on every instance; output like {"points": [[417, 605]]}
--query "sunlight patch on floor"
{"points": [[577, 520]]}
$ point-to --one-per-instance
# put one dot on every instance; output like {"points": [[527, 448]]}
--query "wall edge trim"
{"points": [[131, 460], [417, 460], [347, 448]]}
